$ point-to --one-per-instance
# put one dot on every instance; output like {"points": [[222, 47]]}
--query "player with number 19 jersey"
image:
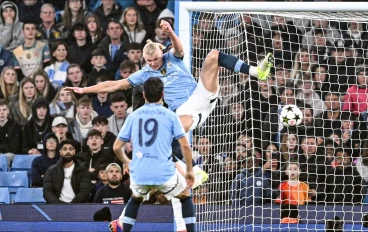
{"points": [[152, 128], [179, 83]]}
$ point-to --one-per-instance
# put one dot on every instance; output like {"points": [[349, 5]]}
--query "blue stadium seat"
{"points": [[22, 162], [14, 181], [3, 163], [4, 196], [29, 195]]}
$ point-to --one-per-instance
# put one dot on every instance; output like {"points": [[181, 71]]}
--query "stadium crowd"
{"points": [[251, 158]]}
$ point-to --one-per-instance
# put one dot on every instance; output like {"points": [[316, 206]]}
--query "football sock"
{"points": [[131, 213], [234, 64]]}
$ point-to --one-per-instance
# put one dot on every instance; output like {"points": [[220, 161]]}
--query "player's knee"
{"points": [[212, 56]]}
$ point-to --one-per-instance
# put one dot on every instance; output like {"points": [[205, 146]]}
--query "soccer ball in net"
{"points": [[291, 116]]}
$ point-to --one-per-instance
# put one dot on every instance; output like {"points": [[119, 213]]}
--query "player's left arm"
{"points": [[177, 49]]}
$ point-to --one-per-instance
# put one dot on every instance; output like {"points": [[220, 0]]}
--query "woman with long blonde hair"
{"points": [[74, 12], [21, 109], [8, 83], [43, 85], [303, 62], [132, 25]]}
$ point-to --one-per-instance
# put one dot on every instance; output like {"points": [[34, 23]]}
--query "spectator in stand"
{"points": [[68, 180], [149, 12], [48, 31], [356, 98], [282, 77], [272, 126], [6, 57], [320, 79], [32, 55], [331, 115], [10, 133], [98, 61], [21, 105], [341, 68], [321, 47], [344, 183], [357, 36], [361, 163], [272, 162], [227, 90], [289, 146], [351, 132], [310, 125], [308, 95], [293, 191], [330, 33], [108, 11], [37, 127], [76, 78], [8, 83], [207, 160], [95, 155], [302, 64], [100, 101], [127, 67], [119, 107], [81, 47], [289, 33], [102, 181], [30, 10], [10, 26], [135, 53], [60, 129], [113, 46], [73, 13], [58, 64], [94, 28], [63, 104], [82, 122], [312, 169], [281, 55], [100, 123], [115, 192], [49, 157], [133, 26], [250, 186], [43, 86]]}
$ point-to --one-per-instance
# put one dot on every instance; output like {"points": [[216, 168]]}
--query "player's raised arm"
{"points": [[103, 87], [177, 49]]}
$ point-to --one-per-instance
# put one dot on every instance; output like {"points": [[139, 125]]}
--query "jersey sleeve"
{"points": [[174, 58], [136, 79], [126, 131], [46, 53], [178, 127]]}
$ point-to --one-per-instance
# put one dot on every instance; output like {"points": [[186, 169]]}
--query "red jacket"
{"points": [[356, 99]]}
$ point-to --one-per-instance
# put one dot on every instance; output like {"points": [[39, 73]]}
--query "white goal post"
{"points": [[216, 209]]}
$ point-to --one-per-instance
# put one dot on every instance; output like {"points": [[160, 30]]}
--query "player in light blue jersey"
{"points": [[192, 101], [152, 129]]}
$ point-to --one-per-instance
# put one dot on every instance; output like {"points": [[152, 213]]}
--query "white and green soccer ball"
{"points": [[291, 116]]}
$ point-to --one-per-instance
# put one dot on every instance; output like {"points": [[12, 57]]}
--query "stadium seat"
{"points": [[14, 181], [22, 162], [29, 195], [4, 196], [3, 163]]}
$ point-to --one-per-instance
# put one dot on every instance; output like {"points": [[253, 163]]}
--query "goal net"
{"points": [[264, 176]]}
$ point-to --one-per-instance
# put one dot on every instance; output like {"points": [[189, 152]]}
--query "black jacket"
{"points": [[13, 138], [95, 160], [43, 162], [30, 13], [33, 133], [81, 55], [54, 181], [115, 14]]}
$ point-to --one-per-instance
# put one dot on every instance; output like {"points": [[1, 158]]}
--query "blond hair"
{"points": [[151, 47], [23, 106], [3, 85]]}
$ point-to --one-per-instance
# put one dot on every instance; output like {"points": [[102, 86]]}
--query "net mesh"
{"points": [[263, 175]]}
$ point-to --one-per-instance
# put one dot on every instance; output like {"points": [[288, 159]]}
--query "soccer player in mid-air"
{"points": [[193, 102], [151, 129]]}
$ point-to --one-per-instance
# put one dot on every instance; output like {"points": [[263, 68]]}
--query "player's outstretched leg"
{"points": [[216, 59]]}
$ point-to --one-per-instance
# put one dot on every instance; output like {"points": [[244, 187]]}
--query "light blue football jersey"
{"points": [[151, 128], [179, 83]]}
